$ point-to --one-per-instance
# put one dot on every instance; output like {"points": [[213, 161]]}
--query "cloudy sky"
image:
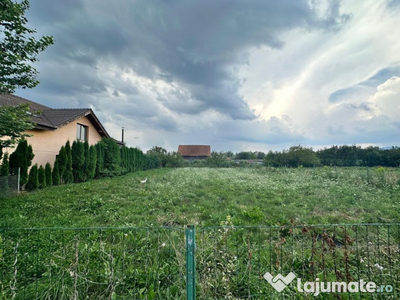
{"points": [[238, 75]]}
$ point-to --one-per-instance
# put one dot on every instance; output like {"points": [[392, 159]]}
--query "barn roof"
{"points": [[194, 150]]}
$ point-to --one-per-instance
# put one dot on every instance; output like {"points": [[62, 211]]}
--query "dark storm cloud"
{"points": [[193, 44]]}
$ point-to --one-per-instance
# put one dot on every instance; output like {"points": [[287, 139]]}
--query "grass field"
{"points": [[212, 197], [149, 262]]}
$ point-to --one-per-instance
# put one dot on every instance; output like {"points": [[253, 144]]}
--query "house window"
{"points": [[81, 132]]}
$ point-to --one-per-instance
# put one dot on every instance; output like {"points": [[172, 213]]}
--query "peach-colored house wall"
{"points": [[46, 144]]}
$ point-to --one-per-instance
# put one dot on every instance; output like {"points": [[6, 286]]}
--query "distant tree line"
{"points": [[78, 162], [295, 156], [341, 156]]}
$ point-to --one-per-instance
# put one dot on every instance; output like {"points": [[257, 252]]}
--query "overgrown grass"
{"points": [[149, 262], [205, 197]]}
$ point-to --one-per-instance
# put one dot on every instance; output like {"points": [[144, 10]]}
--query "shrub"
{"points": [[78, 161], [112, 157], [33, 180], [41, 177], [92, 161], [56, 173], [48, 175], [68, 177], [22, 158], [4, 171]]}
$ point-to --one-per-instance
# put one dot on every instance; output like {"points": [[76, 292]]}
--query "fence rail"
{"points": [[226, 262]]}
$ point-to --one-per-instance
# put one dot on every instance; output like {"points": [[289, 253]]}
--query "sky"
{"points": [[249, 75]]}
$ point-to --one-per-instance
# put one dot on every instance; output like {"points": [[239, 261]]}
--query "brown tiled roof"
{"points": [[12, 100], [194, 150], [47, 118]]}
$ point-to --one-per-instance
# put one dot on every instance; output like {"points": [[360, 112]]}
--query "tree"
{"points": [[56, 174], [78, 161], [41, 177], [4, 171], [33, 181], [18, 47], [22, 158], [68, 176], [161, 153], [92, 162], [14, 121], [62, 164], [49, 178], [112, 157]]}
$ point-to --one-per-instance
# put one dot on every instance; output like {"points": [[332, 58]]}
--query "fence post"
{"points": [[190, 263]]}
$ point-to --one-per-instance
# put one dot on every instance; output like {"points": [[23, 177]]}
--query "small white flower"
{"points": [[379, 267], [163, 245]]}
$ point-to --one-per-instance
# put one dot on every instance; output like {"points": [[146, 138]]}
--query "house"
{"points": [[54, 127], [193, 152]]}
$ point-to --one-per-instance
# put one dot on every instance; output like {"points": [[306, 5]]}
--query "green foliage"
{"points": [[100, 159], [48, 175], [41, 177], [22, 158], [33, 181], [5, 166], [4, 171], [175, 160], [14, 121], [86, 167], [296, 156], [78, 161], [18, 47], [56, 174], [68, 174], [92, 162], [112, 157], [348, 156], [161, 153], [62, 164], [216, 159]]}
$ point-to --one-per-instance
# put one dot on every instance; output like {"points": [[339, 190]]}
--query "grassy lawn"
{"points": [[213, 197]]}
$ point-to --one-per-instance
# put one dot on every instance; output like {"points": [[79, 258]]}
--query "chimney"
{"points": [[123, 136]]}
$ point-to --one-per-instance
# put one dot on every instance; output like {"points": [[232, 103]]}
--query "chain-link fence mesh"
{"points": [[103, 263], [9, 185], [232, 261], [222, 262]]}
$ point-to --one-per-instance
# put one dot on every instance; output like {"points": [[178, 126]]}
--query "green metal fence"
{"points": [[225, 262]]}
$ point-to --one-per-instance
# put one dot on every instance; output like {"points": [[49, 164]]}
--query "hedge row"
{"points": [[81, 162]]}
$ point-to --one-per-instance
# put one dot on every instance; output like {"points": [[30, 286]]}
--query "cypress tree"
{"points": [[4, 171], [5, 167], [86, 164], [92, 161], [49, 178], [33, 180], [100, 159], [41, 177], [56, 174], [78, 161], [21, 158], [69, 177], [62, 164], [112, 157]]}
